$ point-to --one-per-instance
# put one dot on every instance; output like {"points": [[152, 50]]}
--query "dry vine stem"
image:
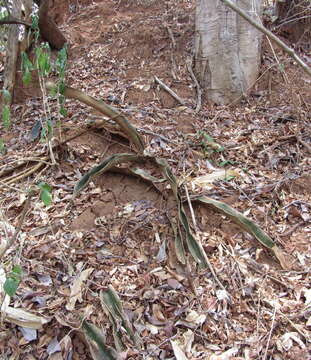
{"points": [[196, 83], [41, 161], [25, 173]]}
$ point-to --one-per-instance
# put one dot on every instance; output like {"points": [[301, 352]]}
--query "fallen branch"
{"points": [[24, 173], [170, 32], [164, 138], [12, 49], [270, 35], [292, 229], [169, 90]]}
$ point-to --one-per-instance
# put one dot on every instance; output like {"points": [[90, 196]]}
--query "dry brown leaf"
{"points": [[178, 352], [206, 181], [76, 289], [23, 318]]}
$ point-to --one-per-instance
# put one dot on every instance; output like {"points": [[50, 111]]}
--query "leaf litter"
{"points": [[126, 240]]}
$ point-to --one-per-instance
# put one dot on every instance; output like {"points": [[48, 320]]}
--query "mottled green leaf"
{"points": [[63, 111], [34, 22], [105, 166], [6, 116], [61, 61], [247, 225], [36, 129], [96, 341], [26, 77], [43, 60], [145, 175], [45, 193], [241, 220], [195, 248], [2, 146], [6, 95], [113, 306], [13, 280]]}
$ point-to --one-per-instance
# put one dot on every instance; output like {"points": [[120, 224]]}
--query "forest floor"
{"points": [[118, 231]]}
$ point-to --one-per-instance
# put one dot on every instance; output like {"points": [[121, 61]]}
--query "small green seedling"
{"points": [[2, 147], [227, 162], [13, 280], [6, 115], [208, 143], [45, 193]]}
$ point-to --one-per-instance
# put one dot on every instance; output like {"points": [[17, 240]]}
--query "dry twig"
{"points": [[23, 174], [169, 90], [41, 161], [11, 240], [170, 32], [191, 209], [270, 334], [292, 229]]}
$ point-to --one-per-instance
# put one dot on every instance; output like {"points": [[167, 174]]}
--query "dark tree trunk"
{"points": [[48, 29], [294, 20]]}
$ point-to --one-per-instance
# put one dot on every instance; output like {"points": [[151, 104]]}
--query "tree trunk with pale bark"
{"points": [[227, 49], [12, 53]]}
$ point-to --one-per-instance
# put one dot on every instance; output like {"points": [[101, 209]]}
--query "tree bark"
{"points": [[12, 20], [270, 35], [227, 49], [48, 29], [28, 38], [27, 9], [12, 53]]}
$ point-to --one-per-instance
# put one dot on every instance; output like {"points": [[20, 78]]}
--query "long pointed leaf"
{"points": [[112, 304], [104, 166], [247, 225], [107, 110], [179, 246], [195, 248], [96, 342]]}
